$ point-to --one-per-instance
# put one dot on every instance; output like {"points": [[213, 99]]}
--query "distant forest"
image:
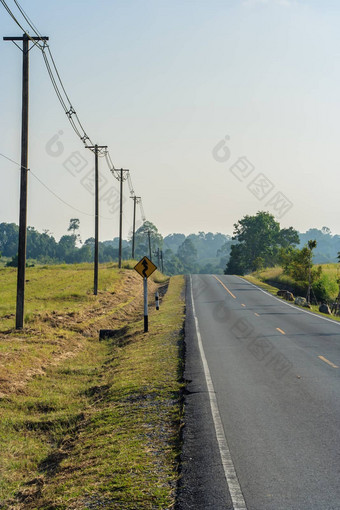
{"points": [[204, 253]]}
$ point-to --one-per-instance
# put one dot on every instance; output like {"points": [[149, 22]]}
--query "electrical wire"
{"points": [[53, 74], [132, 193], [56, 80], [142, 210], [63, 97], [65, 101], [36, 43], [111, 165], [51, 191], [71, 111], [27, 19], [58, 197], [12, 160]]}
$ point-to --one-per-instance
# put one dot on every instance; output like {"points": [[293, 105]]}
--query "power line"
{"points": [[36, 43], [111, 165], [27, 19], [59, 87], [132, 193], [64, 101], [53, 74], [142, 210], [11, 160], [64, 201], [59, 198], [53, 192], [79, 130], [62, 95]]}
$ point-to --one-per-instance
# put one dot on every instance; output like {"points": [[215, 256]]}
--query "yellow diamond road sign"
{"points": [[145, 267]]}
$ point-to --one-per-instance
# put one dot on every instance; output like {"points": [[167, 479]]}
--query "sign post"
{"points": [[146, 315], [145, 268]]}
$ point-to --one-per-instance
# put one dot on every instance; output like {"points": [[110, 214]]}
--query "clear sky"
{"points": [[163, 83]]}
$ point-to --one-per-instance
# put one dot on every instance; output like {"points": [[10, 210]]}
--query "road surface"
{"points": [[262, 403]]}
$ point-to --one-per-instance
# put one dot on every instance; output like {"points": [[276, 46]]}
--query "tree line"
{"points": [[257, 242], [202, 252], [260, 243]]}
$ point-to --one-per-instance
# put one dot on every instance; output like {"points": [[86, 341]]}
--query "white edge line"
{"points": [[228, 466], [298, 309]]}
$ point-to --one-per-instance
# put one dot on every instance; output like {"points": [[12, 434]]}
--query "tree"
{"points": [[142, 239], [74, 227], [258, 264], [327, 245], [224, 253], [84, 254], [288, 237], [237, 263], [9, 234], [66, 249], [90, 241], [172, 264], [40, 246], [187, 254], [207, 244], [312, 244], [107, 253], [173, 242], [298, 264], [259, 239]]}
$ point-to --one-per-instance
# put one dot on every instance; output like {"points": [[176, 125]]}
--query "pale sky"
{"points": [[162, 83]]}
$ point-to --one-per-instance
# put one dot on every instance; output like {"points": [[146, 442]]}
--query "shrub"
{"points": [[325, 288]]}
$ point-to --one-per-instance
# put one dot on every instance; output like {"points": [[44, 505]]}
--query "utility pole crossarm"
{"points": [[44, 38]]}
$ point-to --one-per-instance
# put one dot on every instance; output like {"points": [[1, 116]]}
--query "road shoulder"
{"points": [[202, 483]]}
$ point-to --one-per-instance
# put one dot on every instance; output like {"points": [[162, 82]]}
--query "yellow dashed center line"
{"points": [[257, 315], [328, 362], [281, 331], [225, 287], [243, 304]]}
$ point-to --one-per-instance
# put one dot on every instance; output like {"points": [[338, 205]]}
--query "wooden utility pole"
{"points": [[122, 178], [146, 312], [135, 202], [96, 148], [311, 245], [23, 178], [150, 252], [162, 266]]}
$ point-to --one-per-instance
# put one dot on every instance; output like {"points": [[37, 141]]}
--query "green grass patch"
{"points": [[49, 288], [97, 425], [256, 280]]}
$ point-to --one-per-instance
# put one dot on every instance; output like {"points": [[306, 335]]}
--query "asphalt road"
{"points": [[266, 376]]}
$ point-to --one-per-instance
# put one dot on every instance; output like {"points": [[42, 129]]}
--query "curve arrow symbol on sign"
{"points": [[145, 264], [145, 267]]}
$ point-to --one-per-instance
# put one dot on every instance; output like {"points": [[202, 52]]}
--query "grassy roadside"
{"points": [[96, 425], [256, 280]]}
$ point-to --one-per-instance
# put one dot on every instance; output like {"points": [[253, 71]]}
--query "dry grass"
{"points": [[62, 311], [88, 423], [275, 274]]}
